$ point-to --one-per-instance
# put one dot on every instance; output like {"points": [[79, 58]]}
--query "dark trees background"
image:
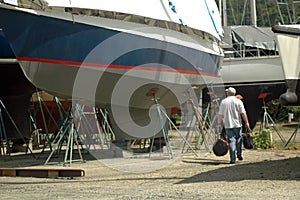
{"points": [[269, 13]]}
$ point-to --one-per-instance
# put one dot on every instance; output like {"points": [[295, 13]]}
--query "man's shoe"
{"points": [[232, 162], [239, 157]]}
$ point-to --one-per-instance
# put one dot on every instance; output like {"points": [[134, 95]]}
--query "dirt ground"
{"points": [[263, 174]]}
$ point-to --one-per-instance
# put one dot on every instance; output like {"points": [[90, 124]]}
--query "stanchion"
{"points": [[161, 116], [293, 136], [4, 143], [267, 119]]}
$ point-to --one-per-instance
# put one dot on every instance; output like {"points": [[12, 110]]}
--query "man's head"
{"points": [[230, 91]]}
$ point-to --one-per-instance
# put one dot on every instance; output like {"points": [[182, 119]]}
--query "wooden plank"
{"points": [[41, 172], [53, 174]]}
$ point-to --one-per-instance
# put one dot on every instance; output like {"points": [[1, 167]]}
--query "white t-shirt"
{"points": [[231, 108]]}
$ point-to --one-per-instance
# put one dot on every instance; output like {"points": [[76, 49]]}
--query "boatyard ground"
{"points": [[263, 174]]}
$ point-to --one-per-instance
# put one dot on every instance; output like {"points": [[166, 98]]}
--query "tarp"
{"points": [[250, 36]]}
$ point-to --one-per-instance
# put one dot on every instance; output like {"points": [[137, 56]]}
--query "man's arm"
{"points": [[220, 120], [245, 118]]}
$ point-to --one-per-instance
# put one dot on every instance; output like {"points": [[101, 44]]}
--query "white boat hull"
{"points": [[288, 40]]}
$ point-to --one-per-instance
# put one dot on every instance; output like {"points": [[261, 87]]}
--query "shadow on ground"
{"points": [[287, 169], [218, 170]]}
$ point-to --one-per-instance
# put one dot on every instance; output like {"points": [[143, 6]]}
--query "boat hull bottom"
{"points": [[292, 94], [102, 88]]}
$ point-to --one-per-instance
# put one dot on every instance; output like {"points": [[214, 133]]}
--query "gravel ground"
{"points": [[263, 174]]}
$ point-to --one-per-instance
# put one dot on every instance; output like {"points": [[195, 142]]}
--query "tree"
{"points": [[239, 12]]}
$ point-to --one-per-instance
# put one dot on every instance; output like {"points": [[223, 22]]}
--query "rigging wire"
{"points": [[268, 14], [233, 13], [244, 12]]}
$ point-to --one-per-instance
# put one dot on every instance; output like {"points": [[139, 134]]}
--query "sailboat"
{"points": [[118, 55]]}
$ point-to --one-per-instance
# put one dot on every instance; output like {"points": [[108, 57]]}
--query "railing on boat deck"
{"points": [[240, 50]]}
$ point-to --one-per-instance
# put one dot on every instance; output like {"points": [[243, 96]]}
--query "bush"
{"points": [[262, 140], [279, 112]]}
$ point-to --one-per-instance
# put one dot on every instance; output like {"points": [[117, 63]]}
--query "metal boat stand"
{"points": [[105, 125], [292, 138], [4, 143], [69, 134], [93, 134], [161, 115], [202, 125], [200, 128], [41, 106], [4, 140], [267, 121]]}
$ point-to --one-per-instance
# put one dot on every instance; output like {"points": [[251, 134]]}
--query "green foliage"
{"points": [[262, 140], [177, 117], [295, 110], [279, 113]]}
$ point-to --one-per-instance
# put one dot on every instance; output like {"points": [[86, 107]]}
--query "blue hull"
{"points": [[36, 37], [54, 52], [5, 50], [51, 49]]}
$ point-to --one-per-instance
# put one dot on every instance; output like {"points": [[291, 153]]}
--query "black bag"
{"points": [[221, 147], [248, 139]]}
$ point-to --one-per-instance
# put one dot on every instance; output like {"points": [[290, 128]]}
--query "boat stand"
{"points": [[91, 132], [69, 134], [41, 106], [201, 128], [4, 139], [268, 121], [202, 124], [105, 125], [161, 115], [292, 138], [4, 143]]}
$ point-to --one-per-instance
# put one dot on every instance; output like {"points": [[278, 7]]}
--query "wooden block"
{"points": [[9, 172]]}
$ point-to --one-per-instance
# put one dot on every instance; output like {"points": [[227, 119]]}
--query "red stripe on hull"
{"points": [[113, 66]]}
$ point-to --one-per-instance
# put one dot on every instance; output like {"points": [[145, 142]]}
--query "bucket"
{"points": [[290, 117]]}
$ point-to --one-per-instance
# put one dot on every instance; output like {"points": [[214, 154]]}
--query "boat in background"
{"points": [[251, 62], [252, 65], [117, 54], [288, 40]]}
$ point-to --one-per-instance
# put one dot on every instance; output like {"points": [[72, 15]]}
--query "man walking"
{"points": [[231, 112]]}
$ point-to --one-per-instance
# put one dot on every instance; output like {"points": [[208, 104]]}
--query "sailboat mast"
{"points": [[223, 11], [253, 13]]}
